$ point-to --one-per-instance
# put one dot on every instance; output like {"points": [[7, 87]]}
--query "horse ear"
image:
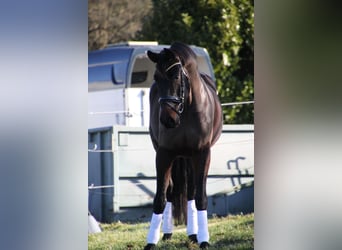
{"points": [[153, 56]]}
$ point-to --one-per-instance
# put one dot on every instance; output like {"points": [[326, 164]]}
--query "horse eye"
{"points": [[170, 74], [174, 77], [173, 74]]}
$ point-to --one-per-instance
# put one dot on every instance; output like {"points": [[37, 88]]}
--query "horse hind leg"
{"points": [[167, 225], [183, 180], [203, 233], [176, 193], [192, 223]]}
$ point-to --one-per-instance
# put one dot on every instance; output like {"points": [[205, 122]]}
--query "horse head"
{"points": [[172, 81]]}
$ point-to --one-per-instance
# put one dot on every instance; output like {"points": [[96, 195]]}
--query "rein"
{"points": [[178, 100]]}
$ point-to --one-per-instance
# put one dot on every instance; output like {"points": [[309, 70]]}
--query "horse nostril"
{"points": [[171, 122], [168, 122]]}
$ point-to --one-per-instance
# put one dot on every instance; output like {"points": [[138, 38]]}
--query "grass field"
{"points": [[232, 232]]}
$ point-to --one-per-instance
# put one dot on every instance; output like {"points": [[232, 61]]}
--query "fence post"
{"points": [[115, 143]]}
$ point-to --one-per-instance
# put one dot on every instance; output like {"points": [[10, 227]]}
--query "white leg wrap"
{"points": [[167, 219], [203, 233], [154, 232], [192, 224]]}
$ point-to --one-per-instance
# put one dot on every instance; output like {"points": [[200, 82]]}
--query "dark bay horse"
{"points": [[185, 122]]}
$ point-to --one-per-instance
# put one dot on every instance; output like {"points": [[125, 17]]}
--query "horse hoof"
{"points": [[193, 238], [167, 237], [150, 246], [204, 245]]}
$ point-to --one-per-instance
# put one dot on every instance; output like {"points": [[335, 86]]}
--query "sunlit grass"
{"points": [[232, 232]]}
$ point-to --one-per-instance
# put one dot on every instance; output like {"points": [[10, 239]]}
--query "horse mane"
{"points": [[186, 55]]}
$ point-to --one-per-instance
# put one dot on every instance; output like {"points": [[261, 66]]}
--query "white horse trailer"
{"points": [[119, 78]]}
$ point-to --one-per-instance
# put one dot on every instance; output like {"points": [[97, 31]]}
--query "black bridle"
{"points": [[178, 100]]}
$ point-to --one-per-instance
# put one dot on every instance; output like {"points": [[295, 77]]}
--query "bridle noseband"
{"points": [[178, 100]]}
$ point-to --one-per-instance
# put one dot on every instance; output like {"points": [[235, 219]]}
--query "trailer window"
{"points": [[142, 73], [139, 77]]}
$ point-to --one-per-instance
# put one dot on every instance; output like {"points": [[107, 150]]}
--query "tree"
{"points": [[226, 29], [113, 21]]}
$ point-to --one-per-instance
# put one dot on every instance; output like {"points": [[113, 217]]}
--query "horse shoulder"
{"points": [[218, 119], [209, 82]]}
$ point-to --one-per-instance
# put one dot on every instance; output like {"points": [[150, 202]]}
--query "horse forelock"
{"points": [[187, 56]]}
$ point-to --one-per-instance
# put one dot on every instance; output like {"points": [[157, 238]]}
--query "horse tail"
{"points": [[179, 191]]}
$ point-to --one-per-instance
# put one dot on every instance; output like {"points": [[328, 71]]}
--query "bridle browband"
{"points": [[172, 65], [178, 100]]}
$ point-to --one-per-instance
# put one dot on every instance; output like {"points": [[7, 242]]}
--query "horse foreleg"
{"points": [[201, 172], [163, 166]]}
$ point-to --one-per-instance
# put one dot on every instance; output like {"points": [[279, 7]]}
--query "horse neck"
{"points": [[198, 89]]}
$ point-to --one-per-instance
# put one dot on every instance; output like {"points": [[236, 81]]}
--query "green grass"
{"points": [[232, 232]]}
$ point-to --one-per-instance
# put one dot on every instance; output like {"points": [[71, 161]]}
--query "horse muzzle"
{"points": [[168, 117]]}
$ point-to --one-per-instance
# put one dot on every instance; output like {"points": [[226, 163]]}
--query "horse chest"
{"points": [[185, 138]]}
